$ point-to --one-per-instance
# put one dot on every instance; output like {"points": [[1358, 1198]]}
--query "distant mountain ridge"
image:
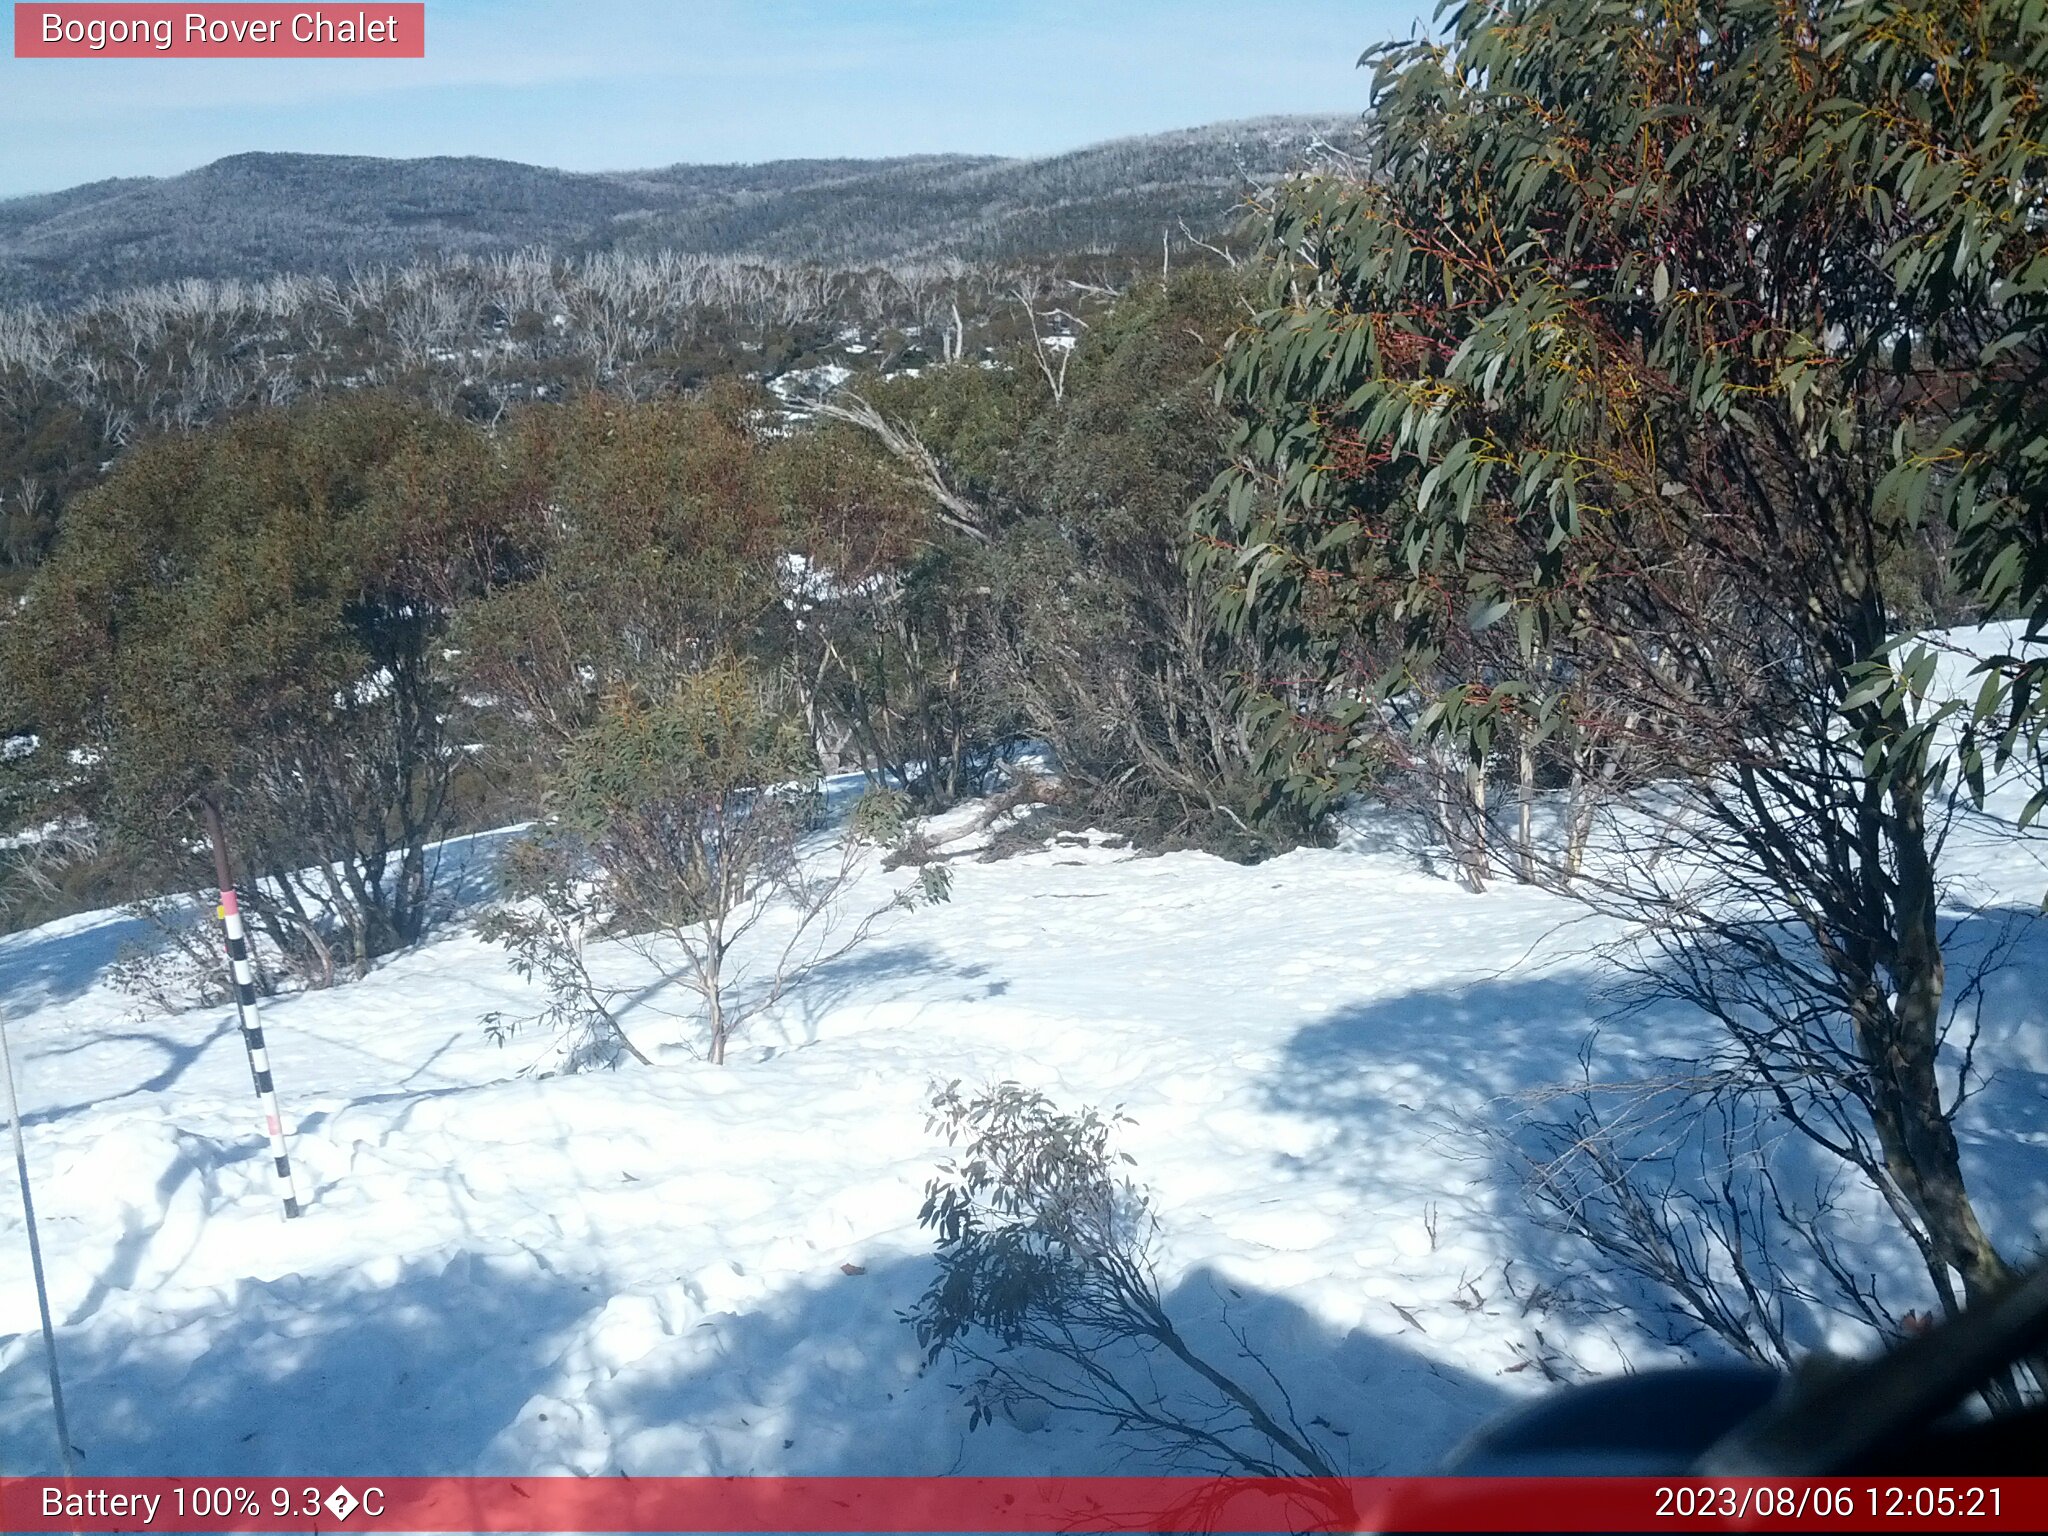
{"points": [[253, 215]]}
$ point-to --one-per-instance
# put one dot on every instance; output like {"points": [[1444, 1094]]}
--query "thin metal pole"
{"points": [[35, 1259], [242, 978]]}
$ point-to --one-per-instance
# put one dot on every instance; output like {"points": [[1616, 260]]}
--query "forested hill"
{"points": [[258, 214]]}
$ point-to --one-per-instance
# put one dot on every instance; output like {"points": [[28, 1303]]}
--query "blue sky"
{"points": [[613, 84]]}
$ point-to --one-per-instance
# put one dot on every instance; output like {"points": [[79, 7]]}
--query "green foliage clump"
{"points": [[252, 616], [881, 817], [678, 825], [1047, 1290], [549, 913], [1651, 355], [673, 822], [1107, 646], [646, 541], [1609, 273], [1070, 616], [689, 802]]}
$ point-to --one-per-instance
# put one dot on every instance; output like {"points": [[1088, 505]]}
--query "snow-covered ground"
{"points": [[689, 1269]]}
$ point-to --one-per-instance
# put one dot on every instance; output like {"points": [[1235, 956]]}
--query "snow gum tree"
{"points": [[1040, 590], [1613, 395], [693, 807], [646, 539], [678, 825], [249, 618]]}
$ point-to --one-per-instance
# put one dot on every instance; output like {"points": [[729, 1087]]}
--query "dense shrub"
{"points": [[252, 617]]}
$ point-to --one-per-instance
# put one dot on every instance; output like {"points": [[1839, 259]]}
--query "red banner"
{"points": [[113, 31], [1020, 1504]]}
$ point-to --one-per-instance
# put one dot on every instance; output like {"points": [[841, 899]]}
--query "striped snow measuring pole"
{"points": [[259, 1054], [35, 1263], [244, 978]]}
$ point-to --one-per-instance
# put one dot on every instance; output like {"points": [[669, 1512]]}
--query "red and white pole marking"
{"points": [[259, 1055]]}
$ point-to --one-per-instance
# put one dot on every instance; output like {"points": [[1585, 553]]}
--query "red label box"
{"points": [[1018, 1506], [367, 29]]}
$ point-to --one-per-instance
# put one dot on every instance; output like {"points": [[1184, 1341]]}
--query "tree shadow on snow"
{"points": [[475, 1364], [828, 1381], [921, 973], [1430, 1090], [39, 969], [179, 1056], [316, 1376]]}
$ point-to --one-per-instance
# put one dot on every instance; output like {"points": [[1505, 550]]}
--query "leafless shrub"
{"points": [[1675, 1184], [681, 830], [178, 965]]}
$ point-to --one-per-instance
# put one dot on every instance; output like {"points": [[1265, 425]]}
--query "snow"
{"points": [[809, 383], [30, 837], [366, 690], [687, 1269], [805, 584], [1962, 663]]}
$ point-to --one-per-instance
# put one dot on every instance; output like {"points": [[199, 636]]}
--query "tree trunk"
{"points": [[1527, 766], [1578, 811], [1899, 1041], [714, 1004], [1480, 858]]}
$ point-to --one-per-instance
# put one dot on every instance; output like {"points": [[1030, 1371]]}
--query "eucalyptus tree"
{"points": [[1622, 389], [245, 623]]}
